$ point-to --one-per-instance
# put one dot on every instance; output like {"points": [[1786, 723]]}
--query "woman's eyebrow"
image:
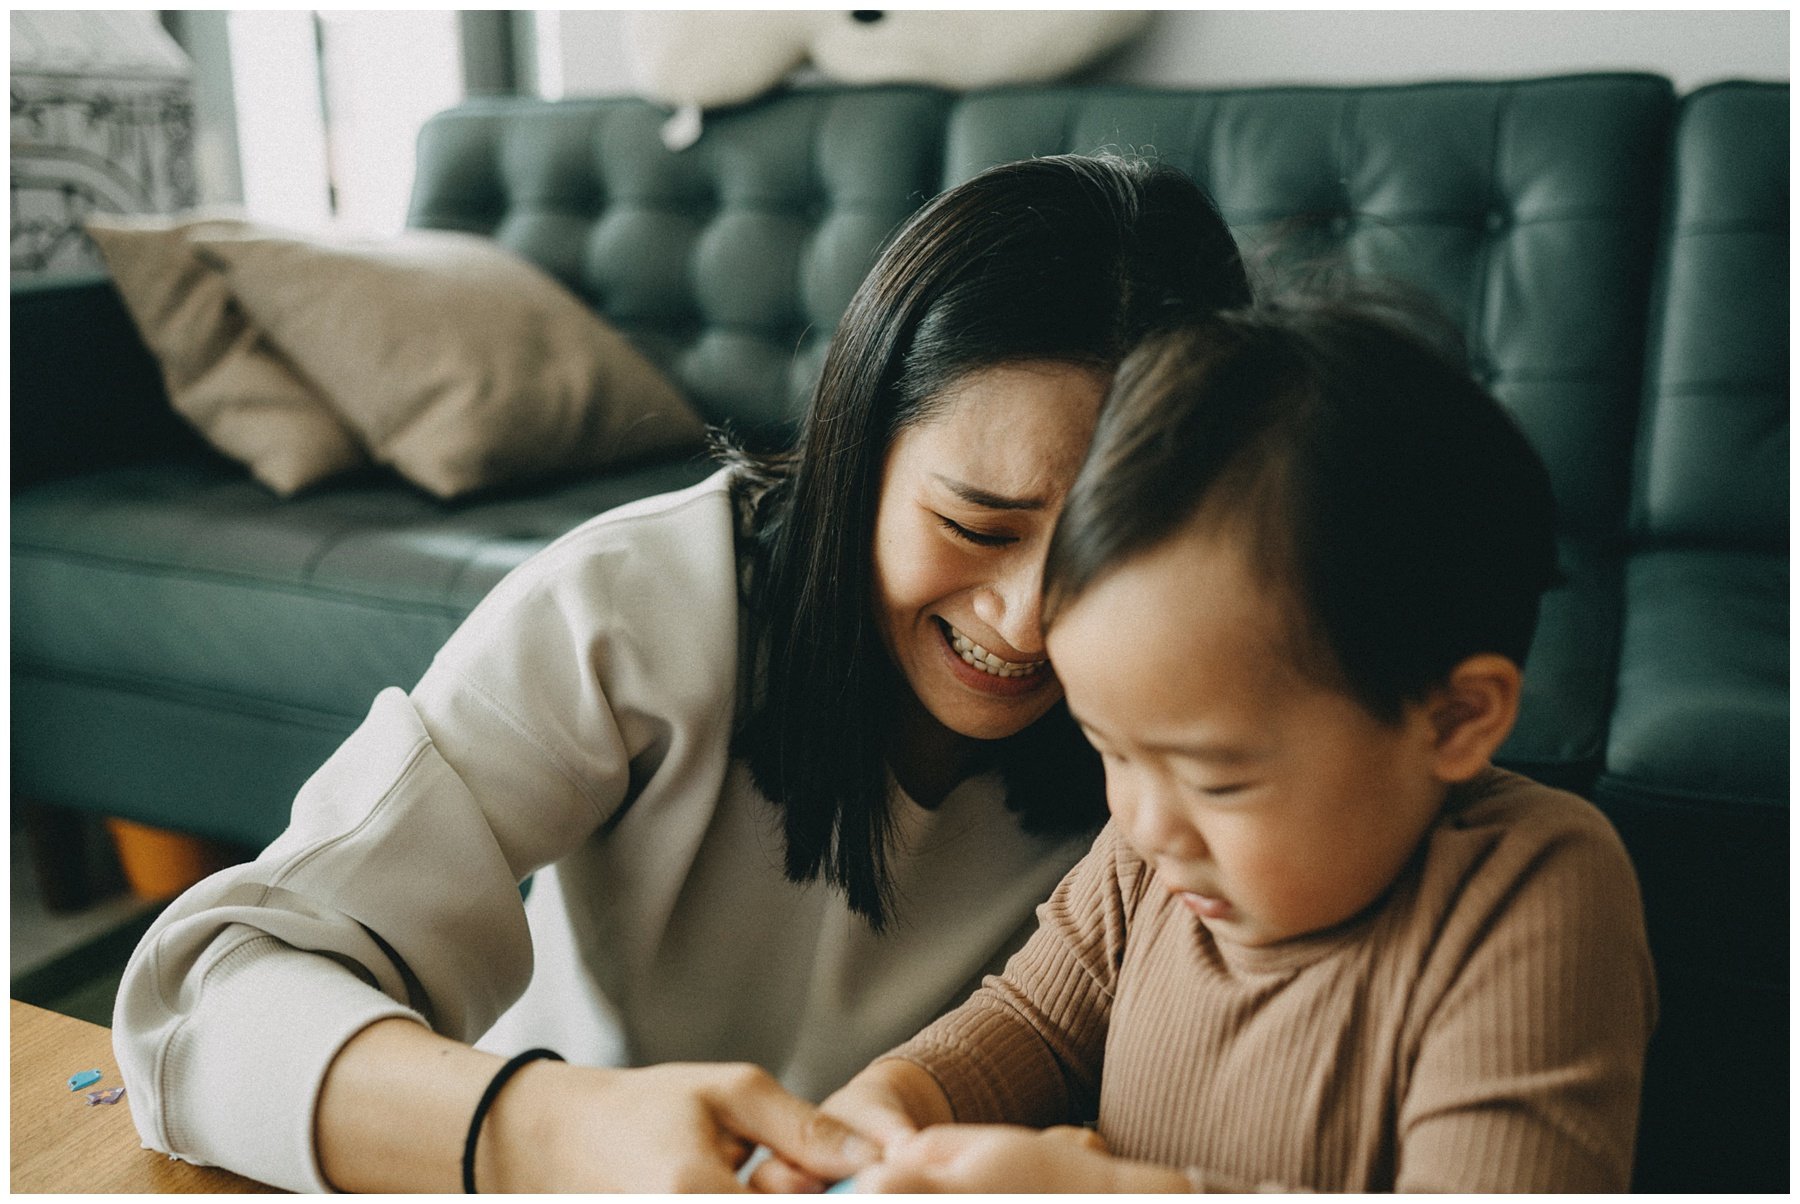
{"points": [[976, 496]]}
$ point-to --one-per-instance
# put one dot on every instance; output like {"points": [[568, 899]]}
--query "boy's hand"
{"points": [[886, 1103], [1005, 1158]]}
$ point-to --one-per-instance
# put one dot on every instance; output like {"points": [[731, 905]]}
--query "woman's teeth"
{"points": [[986, 661]]}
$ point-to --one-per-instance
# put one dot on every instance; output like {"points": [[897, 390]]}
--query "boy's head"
{"points": [[1288, 598]]}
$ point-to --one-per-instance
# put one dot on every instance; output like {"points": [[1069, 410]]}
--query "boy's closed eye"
{"points": [[1220, 791]]}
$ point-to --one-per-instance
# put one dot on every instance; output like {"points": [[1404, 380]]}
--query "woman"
{"points": [[782, 751]]}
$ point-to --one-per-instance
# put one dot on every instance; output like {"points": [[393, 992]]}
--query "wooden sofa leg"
{"points": [[56, 840]]}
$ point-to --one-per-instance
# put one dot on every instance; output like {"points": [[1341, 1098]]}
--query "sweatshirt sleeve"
{"points": [[1529, 1064], [394, 889], [1026, 1048]]}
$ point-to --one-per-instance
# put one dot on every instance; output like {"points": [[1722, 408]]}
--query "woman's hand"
{"points": [[680, 1127], [886, 1103], [1005, 1158]]}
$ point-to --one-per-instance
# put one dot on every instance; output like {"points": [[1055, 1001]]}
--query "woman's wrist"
{"points": [[520, 1128], [512, 1134]]}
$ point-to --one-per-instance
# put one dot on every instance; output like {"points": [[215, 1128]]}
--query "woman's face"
{"points": [[968, 500]]}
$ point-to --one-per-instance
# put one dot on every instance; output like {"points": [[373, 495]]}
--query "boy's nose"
{"points": [[1157, 827]]}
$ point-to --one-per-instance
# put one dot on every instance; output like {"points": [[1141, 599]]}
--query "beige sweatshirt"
{"points": [[578, 727], [1480, 1029]]}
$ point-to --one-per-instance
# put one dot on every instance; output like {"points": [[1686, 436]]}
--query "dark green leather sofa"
{"points": [[187, 649]]}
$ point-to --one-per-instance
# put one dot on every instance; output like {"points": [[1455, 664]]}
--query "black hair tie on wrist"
{"points": [[505, 1072]]}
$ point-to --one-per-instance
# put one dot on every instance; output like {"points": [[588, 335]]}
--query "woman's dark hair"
{"points": [[1392, 501], [1066, 258]]}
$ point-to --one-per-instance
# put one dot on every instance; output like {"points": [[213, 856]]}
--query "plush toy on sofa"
{"points": [[700, 60]]}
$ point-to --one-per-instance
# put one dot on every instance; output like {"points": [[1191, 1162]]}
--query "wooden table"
{"points": [[62, 1143]]}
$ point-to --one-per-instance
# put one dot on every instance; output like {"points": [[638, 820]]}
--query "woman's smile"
{"points": [[979, 669]]}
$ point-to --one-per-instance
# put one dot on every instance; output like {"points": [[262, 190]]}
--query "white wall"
{"points": [[1207, 49], [1211, 48]]}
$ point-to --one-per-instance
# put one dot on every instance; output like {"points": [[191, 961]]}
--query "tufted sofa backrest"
{"points": [[730, 262], [1529, 209]]}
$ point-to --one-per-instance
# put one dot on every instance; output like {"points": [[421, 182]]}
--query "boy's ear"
{"points": [[1472, 713]]}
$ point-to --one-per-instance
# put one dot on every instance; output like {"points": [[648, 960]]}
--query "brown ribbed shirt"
{"points": [[1481, 1028]]}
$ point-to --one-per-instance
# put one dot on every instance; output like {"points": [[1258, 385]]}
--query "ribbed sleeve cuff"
{"points": [[992, 1069], [239, 1080]]}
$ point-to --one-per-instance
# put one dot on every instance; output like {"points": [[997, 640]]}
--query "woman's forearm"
{"points": [[394, 1111]]}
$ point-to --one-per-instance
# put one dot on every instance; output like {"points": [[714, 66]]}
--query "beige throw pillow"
{"points": [[220, 373], [454, 360]]}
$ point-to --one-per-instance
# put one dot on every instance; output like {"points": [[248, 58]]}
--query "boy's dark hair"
{"points": [[1393, 500], [1066, 258]]}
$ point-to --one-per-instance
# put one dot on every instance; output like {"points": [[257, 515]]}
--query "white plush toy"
{"points": [[700, 60]]}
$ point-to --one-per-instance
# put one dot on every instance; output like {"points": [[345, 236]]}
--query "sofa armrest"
{"points": [[86, 392]]}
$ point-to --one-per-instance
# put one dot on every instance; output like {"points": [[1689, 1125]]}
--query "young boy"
{"points": [[1324, 943]]}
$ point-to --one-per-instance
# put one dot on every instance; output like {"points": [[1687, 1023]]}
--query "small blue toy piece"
{"points": [[842, 1187], [85, 1078]]}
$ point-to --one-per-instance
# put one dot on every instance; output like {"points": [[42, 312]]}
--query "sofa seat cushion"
{"points": [[1696, 763], [189, 578], [1702, 707], [1696, 775]]}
